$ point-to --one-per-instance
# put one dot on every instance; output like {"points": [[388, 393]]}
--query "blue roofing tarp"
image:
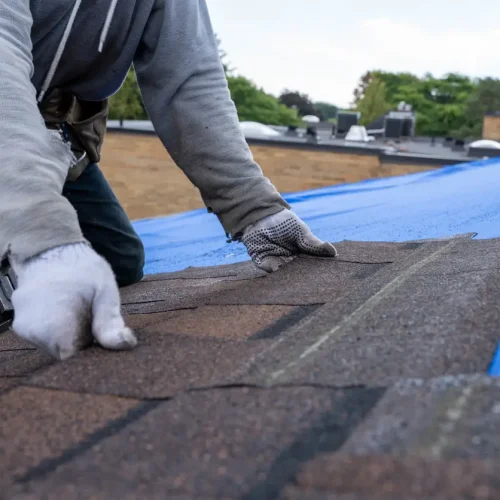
{"points": [[435, 204]]}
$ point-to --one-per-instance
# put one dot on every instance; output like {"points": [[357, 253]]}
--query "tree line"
{"points": [[453, 105], [252, 102]]}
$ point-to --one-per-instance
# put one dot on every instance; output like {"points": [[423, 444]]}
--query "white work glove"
{"points": [[66, 298], [279, 238]]}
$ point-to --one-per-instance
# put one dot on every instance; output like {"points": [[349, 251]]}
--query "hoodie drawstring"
{"points": [[64, 40], [107, 24], [60, 50]]}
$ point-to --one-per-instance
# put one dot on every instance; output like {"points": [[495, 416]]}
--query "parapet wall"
{"points": [[148, 183]]}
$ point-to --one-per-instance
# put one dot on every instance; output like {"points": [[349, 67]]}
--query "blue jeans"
{"points": [[105, 224]]}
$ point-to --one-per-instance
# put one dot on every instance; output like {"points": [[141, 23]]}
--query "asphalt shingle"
{"points": [[228, 322], [171, 295], [304, 281], [10, 342], [160, 367], [239, 443], [468, 257], [383, 361], [17, 363], [182, 416], [390, 477], [412, 321], [37, 424], [9, 383], [242, 270], [447, 417]]}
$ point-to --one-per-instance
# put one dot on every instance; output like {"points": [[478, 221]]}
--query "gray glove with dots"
{"points": [[279, 238]]}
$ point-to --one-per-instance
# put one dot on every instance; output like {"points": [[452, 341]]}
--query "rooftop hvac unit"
{"points": [[408, 127], [345, 120], [400, 124], [393, 128]]}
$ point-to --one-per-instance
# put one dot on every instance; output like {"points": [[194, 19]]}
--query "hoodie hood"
{"points": [[64, 41], [87, 47]]}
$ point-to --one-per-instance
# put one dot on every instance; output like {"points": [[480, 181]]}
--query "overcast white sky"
{"points": [[322, 47]]}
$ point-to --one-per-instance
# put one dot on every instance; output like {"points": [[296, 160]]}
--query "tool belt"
{"points": [[8, 282], [83, 124]]}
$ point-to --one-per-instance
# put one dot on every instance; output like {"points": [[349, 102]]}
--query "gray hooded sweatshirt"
{"points": [[87, 47]]}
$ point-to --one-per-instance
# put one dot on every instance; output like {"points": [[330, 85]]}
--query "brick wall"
{"points": [[148, 183], [491, 128]]}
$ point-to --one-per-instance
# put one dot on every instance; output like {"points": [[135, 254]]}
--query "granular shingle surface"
{"points": [[350, 379], [7, 383], [10, 342], [141, 321], [453, 417], [37, 424], [226, 322], [386, 360], [279, 429], [171, 295], [16, 363], [304, 281], [243, 270], [163, 365], [402, 477]]}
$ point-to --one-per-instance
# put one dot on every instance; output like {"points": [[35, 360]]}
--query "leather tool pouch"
{"points": [[83, 122]]}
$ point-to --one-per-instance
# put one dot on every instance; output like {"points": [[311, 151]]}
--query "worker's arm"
{"points": [[186, 95], [66, 294], [34, 216]]}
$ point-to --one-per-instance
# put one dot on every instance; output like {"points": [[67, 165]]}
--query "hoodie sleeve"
{"points": [[34, 216], [186, 95]]}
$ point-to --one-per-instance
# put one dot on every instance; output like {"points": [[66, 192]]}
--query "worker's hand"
{"points": [[277, 239], [66, 298]]}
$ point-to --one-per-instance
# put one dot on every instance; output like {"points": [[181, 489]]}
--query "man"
{"points": [[61, 228]]}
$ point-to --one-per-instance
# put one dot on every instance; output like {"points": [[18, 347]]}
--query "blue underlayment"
{"points": [[445, 202], [494, 368]]}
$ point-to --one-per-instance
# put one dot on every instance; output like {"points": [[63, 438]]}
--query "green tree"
{"points": [[326, 111], [360, 89], [253, 104], [445, 102], [397, 85], [484, 99], [301, 102], [127, 103], [440, 103], [373, 103]]}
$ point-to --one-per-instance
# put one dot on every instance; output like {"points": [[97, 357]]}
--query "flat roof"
{"points": [[413, 150]]}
